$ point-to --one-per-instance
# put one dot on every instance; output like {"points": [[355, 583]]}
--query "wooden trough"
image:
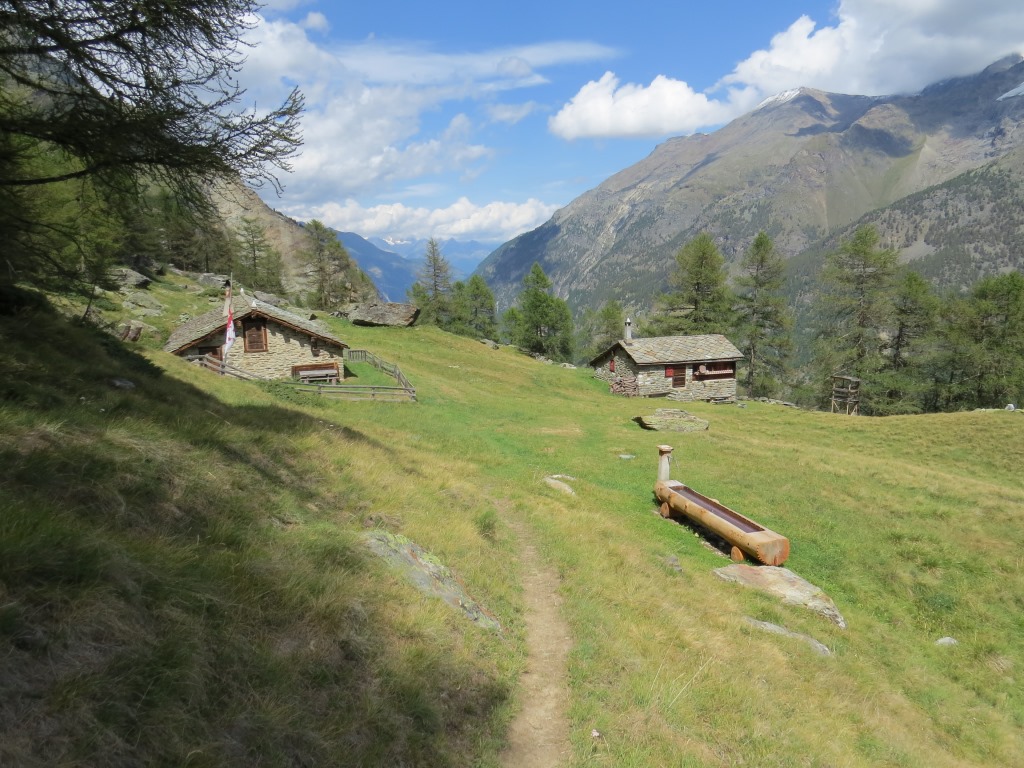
{"points": [[745, 535]]}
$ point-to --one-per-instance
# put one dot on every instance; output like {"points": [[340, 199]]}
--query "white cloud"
{"points": [[874, 47], [463, 219], [511, 113], [366, 104], [315, 21], [606, 108]]}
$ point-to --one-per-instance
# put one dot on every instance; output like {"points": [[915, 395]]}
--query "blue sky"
{"points": [[478, 121]]}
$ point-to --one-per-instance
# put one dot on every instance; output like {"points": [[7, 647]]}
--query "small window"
{"points": [[255, 335], [669, 372], [611, 365], [679, 377]]}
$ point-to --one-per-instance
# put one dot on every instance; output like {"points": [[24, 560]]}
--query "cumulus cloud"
{"points": [[606, 108], [463, 219], [874, 47]]}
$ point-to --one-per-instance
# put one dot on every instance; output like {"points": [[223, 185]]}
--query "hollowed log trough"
{"points": [[745, 535]]}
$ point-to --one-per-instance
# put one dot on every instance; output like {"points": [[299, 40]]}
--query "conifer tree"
{"points": [[701, 302], [432, 289], [542, 324], [472, 309], [764, 321], [856, 310], [259, 263]]}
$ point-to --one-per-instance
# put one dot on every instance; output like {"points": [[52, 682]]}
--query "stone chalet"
{"points": [[269, 342], [678, 367]]}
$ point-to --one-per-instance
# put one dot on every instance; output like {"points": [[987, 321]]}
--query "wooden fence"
{"points": [[392, 370], [403, 392]]}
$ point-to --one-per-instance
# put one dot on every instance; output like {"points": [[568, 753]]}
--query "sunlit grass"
{"points": [[188, 554]]}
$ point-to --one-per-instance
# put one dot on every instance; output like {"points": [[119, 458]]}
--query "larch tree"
{"points": [[326, 260], [765, 323], [542, 324], [103, 98], [856, 307], [259, 263], [701, 302], [432, 290]]}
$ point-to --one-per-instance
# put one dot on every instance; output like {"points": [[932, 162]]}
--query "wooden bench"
{"points": [[315, 373]]}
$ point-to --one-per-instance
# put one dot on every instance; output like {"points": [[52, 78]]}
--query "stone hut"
{"points": [[270, 342], [678, 367]]}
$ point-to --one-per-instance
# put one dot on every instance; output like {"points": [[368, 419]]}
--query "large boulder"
{"points": [[387, 313], [672, 420], [784, 584]]}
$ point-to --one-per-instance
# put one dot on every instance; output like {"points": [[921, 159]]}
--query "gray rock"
{"points": [[269, 298], [569, 366], [124, 384], [672, 420], [428, 574], [627, 456], [140, 300], [946, 641], [130, 279], [490, 344], [818, 647], [558, 485], [386, 314], [211, 280], [785, 584]]}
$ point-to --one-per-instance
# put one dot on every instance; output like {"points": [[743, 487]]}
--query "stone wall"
{"points": [[285, 348], [650, 380]]}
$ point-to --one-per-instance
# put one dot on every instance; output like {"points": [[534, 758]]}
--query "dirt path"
{"points": [[539, 735]]}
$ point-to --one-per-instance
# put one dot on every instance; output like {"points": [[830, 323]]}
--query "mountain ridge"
{"points": [[797, 168]]}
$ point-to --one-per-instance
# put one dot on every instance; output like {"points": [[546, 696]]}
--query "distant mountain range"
{"points": [[939, 172], [394, 264]]}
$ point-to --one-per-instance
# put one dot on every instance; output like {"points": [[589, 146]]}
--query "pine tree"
{"points": [[765, 323]]}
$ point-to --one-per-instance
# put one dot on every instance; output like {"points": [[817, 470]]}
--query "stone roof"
{"points": [[659, 350], [198, 328]]}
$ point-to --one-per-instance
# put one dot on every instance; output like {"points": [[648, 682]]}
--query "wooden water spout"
{"points": [[745, 535]]}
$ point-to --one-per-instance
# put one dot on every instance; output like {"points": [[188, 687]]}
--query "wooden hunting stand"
{"points": [[846, 395]]}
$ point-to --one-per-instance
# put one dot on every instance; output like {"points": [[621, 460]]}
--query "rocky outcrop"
{"points": [[818, 647], [428, 574], [672, 420], [386, 314], [785, 584]]}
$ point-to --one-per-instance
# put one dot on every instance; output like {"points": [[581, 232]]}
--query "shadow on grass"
{"points": [[155, 610]]}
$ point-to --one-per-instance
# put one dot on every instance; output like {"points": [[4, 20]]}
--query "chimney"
{"points": [[628, 337]]}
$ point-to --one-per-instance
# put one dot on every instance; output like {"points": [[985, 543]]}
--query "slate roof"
{"points": [[660, 350], [198, 328]]}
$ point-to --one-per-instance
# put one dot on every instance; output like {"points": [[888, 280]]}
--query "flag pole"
{"points": [[229, 329]]}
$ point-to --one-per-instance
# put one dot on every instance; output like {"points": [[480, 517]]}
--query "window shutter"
{"points": [[669, 372], [611, 365]]}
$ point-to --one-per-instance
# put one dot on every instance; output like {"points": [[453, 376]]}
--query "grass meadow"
{"points": [[182, 580]]}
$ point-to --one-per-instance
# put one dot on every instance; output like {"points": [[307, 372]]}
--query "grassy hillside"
{"points": [[182, 579]]}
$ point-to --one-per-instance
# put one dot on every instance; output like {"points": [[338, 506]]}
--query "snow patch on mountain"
{"points": [[1018, 91], [779, 98]]}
